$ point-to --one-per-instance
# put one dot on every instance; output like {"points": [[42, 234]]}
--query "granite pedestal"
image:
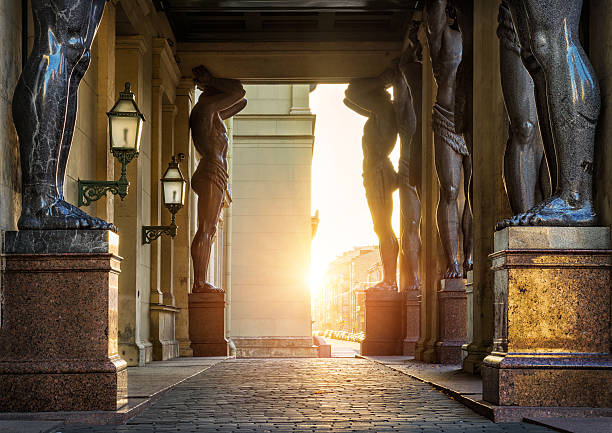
{"points": [[207, 324], [552, 318], [452, 321], [58, 340], [412, 322], [383, 323]]}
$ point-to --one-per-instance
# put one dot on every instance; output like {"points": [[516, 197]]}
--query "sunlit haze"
{"points": [[337, 183]]}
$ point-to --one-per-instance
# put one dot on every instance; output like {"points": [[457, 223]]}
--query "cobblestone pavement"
{"points": [[307, 395]]}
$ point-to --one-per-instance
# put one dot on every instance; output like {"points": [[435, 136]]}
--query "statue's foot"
{"points": [[384, 285], [554, 212], [413, 286], [61, 215], [453, 272], [468, 265], [205, 287]]}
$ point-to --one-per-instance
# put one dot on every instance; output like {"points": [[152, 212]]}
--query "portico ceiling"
{"points": [[288, 20], [289, 40]]}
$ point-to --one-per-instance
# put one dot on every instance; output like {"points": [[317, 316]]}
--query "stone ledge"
{"points": [[275, 347], [61, 241]]}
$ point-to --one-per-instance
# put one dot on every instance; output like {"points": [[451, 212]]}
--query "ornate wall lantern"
{"points": [[125, 128], [173, 193]]}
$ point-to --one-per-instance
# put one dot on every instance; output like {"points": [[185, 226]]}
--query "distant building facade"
{"points": [[340, 304]]}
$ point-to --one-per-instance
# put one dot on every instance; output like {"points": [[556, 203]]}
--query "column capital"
{"points": [[136, 42]]}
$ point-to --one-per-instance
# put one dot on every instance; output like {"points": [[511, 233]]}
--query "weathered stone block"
{"points": [[58, 341], [207, 324], [452, 321], [552, 318], [383, 323]]}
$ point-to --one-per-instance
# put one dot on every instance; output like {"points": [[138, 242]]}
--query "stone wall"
{"points": [[601, 57], [271, 230], [10, 68]]}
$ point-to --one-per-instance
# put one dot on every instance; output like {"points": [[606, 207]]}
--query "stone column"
{"points": [[165, 79], [412, 314], [430, 247], [490, 203], [169, 112], [134, 286], [104, 50], [181, 277]]}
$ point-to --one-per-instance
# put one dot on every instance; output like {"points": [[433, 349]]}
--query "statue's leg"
{"points": [[73, 93], [40, 106], [448, 166], [466, 218], [410, 220], [210, 203], [523, 150], [379, 192], [573, 103], [519, 18]]}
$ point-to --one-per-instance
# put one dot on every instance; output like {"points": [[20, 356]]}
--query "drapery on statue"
{"points": [[221, 99], [445, 46], [369, 97], [525, 170], [44, 111], [569, 101]]}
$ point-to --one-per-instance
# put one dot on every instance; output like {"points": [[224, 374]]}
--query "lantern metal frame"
{"points": [[93, 190], [151, 233]]}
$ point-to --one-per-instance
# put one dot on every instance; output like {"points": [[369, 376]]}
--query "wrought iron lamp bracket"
{"points": [[151, 233], [93, 190]]}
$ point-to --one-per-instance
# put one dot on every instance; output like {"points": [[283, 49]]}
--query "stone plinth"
{"points": [[275, 347], [412, 322], [58, 340], [452, 320], [383, 323], [163, 338], [207, 324], [552, 318]]}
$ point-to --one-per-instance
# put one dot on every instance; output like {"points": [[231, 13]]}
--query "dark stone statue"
{"points": [[568, 100], [221, 99], [44, 110], [410, 204], [464, 121], [446, 47], [386, 118], [525, 169]]}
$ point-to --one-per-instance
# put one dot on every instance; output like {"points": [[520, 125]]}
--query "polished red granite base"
{"points": [[552, 318], [452, 321], [383, 323], [412, 322], [207, 324], [58, 341]]}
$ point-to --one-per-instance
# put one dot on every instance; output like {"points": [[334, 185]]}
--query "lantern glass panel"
{"points": [[174, 191], [125, 132]]}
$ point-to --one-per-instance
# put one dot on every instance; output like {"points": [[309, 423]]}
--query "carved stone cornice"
{"points": [[166, 72]]}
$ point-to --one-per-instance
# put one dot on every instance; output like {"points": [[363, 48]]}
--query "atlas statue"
{"points": [[44, 111], [568, 104], [526, 175], [387, 118], [221, 99], [451, 151]]}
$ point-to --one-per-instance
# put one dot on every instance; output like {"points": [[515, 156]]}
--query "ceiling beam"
{"points": [[317, 62]]}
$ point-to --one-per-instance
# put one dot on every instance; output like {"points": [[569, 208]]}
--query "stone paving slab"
{"points": [[467, 389], [305, 395], [145, 386], [28, 426], [575, 425]]}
